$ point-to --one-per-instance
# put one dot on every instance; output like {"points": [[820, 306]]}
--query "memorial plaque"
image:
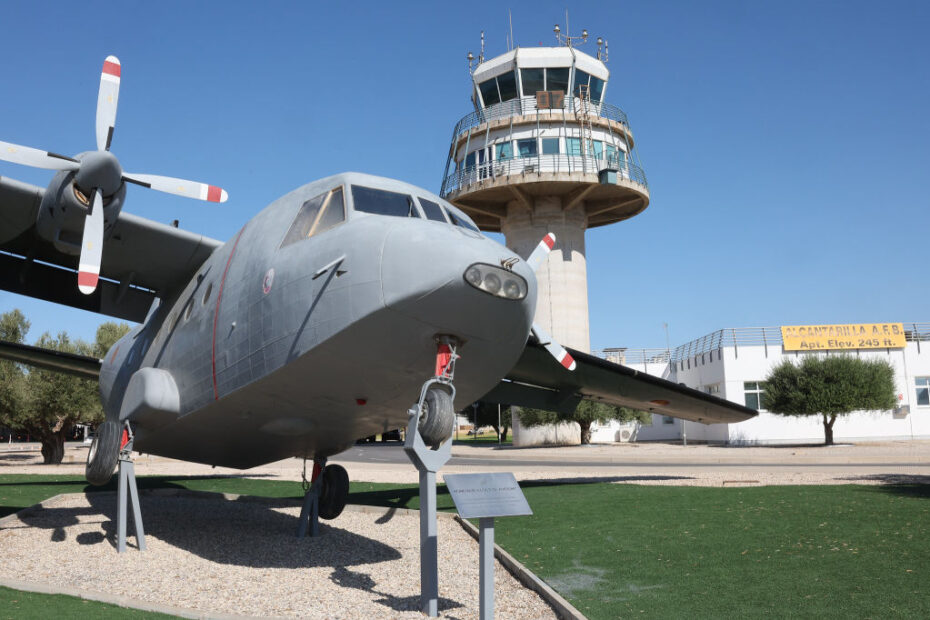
{"points": [[487, 495]]}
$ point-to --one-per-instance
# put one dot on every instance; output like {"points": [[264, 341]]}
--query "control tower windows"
{"points": [[504, 150], [550, 146], [597, 89], [501, 88], [581, 79], [534, 80], [507, 83], [381, 202], [527, 148], [489, 93], [557, 79]]}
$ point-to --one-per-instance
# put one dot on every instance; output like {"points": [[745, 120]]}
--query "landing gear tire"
{"points": [[103, 454], [437, 420], [335, 491]]}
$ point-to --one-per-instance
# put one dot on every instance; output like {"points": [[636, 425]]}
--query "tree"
{"points": [[487, 416], [13, 328], [48, 404], [830, 387], [585, 414]]}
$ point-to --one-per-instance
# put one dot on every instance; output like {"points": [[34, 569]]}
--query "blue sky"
{"points": [[786, 144]]}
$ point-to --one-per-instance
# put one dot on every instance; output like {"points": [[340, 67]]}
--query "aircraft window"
{"points": [[381, 202], [533, 81], [489, 92], [206, 294], [507, 82], [557, 79], [432, 210], [188, 309], [317, 215], [458, 220]]}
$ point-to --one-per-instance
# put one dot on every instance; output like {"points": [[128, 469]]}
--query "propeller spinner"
{"points": [[98, 174]]}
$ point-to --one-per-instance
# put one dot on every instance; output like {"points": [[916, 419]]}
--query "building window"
{"points": [[597, 89], [527, 148], [489, 93], [713, 390], [667, 419], [923, 391], [504, 150], [754, 391], [507, 82], [550, 146]]}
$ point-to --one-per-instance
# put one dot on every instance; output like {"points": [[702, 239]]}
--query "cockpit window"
{"points": [[464, 222], [317, 215], [381, 202], [432, 210]]}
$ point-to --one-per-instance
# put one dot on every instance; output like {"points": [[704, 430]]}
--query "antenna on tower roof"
{"points": [[481, 55], [510, 17]]}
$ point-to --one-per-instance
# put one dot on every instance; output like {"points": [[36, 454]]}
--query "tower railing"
{"points": [[539, 164], [527, 105]]}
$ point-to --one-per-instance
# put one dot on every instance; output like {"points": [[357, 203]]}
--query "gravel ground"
{"points": [[239, 557]]}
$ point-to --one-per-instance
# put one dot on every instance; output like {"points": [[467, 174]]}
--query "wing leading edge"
{"points": [[540, 382]]}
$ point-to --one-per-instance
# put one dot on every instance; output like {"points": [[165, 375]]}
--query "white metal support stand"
{"points": [[486, 567], [127, 481]]}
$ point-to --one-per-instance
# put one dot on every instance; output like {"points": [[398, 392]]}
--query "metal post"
{"points": [[427, 462], [127, 480], [486, 570]]}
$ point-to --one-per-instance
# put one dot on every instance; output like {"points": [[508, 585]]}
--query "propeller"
{"points": [[548, 342], [100, 171]]}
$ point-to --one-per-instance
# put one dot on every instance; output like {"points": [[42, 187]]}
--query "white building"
{"points": [[732, 363]]}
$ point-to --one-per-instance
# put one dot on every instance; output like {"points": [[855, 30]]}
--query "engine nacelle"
{"points": [[64, 207]]}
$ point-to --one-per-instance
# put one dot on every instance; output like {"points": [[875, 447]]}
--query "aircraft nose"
{"points": [[430, 272]]}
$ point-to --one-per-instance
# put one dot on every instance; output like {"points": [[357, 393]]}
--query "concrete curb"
{"points": [[528, 578]]}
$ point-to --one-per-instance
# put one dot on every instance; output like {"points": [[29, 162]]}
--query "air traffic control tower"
{"points": [[544, 152]]}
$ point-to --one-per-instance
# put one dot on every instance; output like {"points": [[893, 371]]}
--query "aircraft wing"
{"points": [[47, 359], [539, 381], [142, 259]]}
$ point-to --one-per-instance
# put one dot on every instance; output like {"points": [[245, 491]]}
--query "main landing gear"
{"points": [[103, 454], [326, 494]]}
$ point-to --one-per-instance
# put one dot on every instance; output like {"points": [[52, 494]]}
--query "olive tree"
{"points": [[585, 414], [44, 403], [829, 387]]}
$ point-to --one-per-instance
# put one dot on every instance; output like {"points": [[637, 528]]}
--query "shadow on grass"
{"points": [[907, 485]]}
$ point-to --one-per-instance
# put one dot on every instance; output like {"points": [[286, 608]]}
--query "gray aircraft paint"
{"points": [[289, 374]]}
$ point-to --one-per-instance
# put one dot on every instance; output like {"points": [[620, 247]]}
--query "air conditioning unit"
{"points": [[626, 433]]}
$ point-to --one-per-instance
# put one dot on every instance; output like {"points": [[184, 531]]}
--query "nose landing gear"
{"points": [[436, 413]]}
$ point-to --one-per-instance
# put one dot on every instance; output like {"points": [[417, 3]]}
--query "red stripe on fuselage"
{"points": [[111, 68], [216, 313]]}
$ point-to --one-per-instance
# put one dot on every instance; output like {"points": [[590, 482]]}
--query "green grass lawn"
{"points": [[667, 552]]}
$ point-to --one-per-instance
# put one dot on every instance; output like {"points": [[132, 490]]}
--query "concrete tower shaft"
{"points": [[562, 306], [544, 152]]}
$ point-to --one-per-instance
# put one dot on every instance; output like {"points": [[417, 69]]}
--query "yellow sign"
{"points": [[854, 336]]}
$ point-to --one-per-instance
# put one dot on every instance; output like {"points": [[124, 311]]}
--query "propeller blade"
{"points": [[27, 156], [91, 247], [178, 187], [541, 252], [554, 348], [107, 98]]}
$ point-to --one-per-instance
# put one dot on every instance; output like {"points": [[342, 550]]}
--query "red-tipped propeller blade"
{"points": [[541, 252], [178, 187], [554, 348], [91, 247]]}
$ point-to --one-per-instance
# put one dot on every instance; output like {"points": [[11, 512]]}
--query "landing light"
{"points": [[496, 281]]}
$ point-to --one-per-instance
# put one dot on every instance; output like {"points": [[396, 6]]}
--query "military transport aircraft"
{"points": [[318, 323]]}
